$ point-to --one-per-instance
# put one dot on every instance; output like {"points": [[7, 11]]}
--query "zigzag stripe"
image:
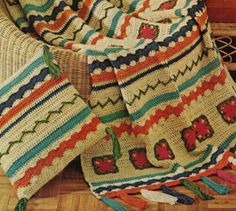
{"points": [[28, 100], [21, 76], [159, 82], [43, 8], [49, 140], [104, 17], [154, 45], [42, 102], [74, 34], [55, 26], [175, 94], [91, 11], [102, 105], [62, 31], [52, 17], [57, 153], [37, 123], [169, 110], [164, 83], [23, 89]]}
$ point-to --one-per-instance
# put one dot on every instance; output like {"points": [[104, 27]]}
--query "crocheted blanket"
{"points": [[157, 80]]}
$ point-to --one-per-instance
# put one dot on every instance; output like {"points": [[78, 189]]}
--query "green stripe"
{"points": [[114, 116], [173, 170], [228, 141], [114, 24], [46, 142], [201, 159], [43, 8], [21, 20], [204, 71], [175, 25], [21, 76], [174, 95], [133, 6], [87, 36]]}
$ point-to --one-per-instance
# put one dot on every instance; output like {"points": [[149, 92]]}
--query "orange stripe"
{"points": [[84, 9], [99, 37], [28, 100], [159, 56], [124, 26], [103, 76], [57, 24], [145, 6], [57, 153], [220, 165]]}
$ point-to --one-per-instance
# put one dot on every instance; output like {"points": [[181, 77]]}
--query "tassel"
{"points": [[191, 186], [221, 189], [54, 69], [136, 202], [226, 176], [157, 196], [21, 205], [182, 198], [113, 204], [115, 142]]}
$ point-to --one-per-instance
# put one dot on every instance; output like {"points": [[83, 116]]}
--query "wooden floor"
{"points": [[69, 192]]}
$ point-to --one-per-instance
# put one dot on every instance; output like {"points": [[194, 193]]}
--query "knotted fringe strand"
{"points": [[115, 142], [182, 198], [221, 189], [226, 176], [191, 186], [21, 205], [113, 204], [136, 202], [157, 196], [54, 68]]}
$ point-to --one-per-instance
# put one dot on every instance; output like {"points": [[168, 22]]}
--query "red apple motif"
{"points": [[148, 31], [104, 164], [189, 137], [163, 151], [227, 110], [138, 157]]}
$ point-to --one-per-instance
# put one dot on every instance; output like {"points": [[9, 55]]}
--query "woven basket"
{"points": [[16, 48]]}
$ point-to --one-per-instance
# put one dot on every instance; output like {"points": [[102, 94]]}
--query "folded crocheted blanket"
{"points": [[157, 80]]}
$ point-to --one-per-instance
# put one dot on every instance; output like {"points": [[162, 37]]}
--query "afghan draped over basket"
{"points": [[157, 79]]}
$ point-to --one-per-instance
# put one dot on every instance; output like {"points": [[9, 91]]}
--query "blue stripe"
{"points": [[53, 137], [163, 179], [21, 76], [95, 4], [196, 170], [41, 103], [61, 31], [160, 66], [150, 70], [23, 89]]}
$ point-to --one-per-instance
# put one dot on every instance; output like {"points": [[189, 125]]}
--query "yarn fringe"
{"points": [[113, 204], [221, 189], [116, 145], [193, 187], [134, 201], [157, 196], [182, 198], [226, 176], [21, 205]]}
